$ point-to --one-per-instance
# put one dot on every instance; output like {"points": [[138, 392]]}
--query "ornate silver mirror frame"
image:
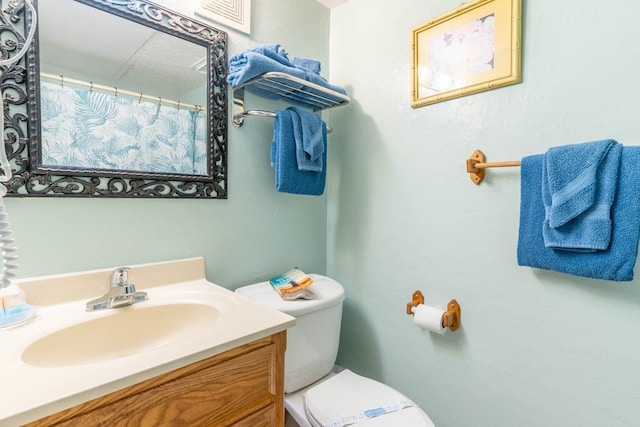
{"points": [[21, 87]]}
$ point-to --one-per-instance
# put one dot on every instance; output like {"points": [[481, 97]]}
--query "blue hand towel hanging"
{"points": [[310, 134], [578, 187], [617, 261], [289, 179]]}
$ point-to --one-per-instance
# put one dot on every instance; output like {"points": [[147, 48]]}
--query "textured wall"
{"points": [[254, 234], [536, 348]]}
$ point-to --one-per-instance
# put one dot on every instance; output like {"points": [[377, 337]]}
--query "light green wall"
{"points": [[536, 348], [254, 234]]}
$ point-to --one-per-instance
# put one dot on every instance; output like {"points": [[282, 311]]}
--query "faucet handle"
{"points": [[120, 276]]}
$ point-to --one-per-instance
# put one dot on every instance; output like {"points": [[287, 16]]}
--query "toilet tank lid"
{"points": [[327, 292]]}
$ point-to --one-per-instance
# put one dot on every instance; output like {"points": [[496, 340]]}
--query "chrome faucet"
{"points": [[120, 293]]}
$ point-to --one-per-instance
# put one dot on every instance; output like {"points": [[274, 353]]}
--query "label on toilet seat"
{"points": [[371, 413], [375, 412], [347, 398]]}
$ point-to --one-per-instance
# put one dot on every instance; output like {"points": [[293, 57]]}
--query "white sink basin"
{"points": [[123, 332], [66, 355]]}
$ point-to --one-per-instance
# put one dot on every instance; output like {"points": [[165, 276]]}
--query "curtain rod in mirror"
{"points": [[139, 96]]}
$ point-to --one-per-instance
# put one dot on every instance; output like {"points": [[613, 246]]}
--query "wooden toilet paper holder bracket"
{"points": [[450, 319], [416, 299]]}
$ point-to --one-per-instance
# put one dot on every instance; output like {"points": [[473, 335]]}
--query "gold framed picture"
{"points": [[473, 48]]}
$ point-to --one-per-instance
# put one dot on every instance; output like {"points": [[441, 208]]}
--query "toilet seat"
{"points": [[350, 399]]}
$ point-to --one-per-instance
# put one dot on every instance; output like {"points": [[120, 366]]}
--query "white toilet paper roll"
{"points": [[429, 318]]}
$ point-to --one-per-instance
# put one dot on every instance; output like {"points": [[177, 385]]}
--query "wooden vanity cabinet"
{"points": [[241, 387]]}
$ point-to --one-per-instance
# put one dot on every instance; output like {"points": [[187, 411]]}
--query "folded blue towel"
{"points": [[277, 53], [247, 65], [310, 134], [578, 187], [571, 178], [307, 64], [273, 51], [617, 262], [289, 179]]}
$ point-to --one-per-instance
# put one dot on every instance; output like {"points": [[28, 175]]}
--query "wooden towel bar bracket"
{"points": [[477, 163]]}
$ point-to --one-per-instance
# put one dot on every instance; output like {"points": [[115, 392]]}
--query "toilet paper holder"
{"points": [[450, 319]]}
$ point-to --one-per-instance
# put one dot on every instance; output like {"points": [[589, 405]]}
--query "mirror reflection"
{"points": [[125, 98], [130, 99]]}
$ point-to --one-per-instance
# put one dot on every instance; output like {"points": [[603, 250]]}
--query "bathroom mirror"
{"points": [[124, 98]]}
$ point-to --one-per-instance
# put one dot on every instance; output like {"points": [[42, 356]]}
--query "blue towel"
{"points": [[617, 262], [307, 64], [273, 51], [578, 187], [310, 134], [283, 157], [277, 52], [247, 65], [571, 178]]}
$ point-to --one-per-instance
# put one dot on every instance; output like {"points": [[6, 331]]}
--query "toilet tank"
{"points": [[312, 344]]}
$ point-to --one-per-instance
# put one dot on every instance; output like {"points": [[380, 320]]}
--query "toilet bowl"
{"points": [[318, 393], [345, 398]]}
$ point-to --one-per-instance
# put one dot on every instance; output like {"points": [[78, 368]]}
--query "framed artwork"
{"points": [[473, 48]]}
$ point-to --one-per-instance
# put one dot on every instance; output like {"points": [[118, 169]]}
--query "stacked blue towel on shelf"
{"points": [[254, 62], [299, 145], [580, 210]]}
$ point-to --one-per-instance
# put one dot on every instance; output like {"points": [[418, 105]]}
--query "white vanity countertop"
{"points": [[32, 392]]}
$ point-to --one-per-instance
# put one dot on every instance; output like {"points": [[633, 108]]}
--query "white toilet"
{"points": [[317, 394]]}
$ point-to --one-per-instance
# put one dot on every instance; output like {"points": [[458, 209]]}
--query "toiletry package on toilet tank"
{"points": [[292, 285]]}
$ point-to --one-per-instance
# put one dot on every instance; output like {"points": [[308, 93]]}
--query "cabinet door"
{"points": [[243, 386], [263, 418]]}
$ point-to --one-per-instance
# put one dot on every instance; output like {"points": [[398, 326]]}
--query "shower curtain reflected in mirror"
{"points": [[90, 129]]}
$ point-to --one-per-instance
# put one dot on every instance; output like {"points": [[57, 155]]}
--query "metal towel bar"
{"points": [[264, 113], [287, 87]]}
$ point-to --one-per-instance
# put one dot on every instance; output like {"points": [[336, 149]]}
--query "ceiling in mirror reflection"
{"points": [[128, 55]]}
